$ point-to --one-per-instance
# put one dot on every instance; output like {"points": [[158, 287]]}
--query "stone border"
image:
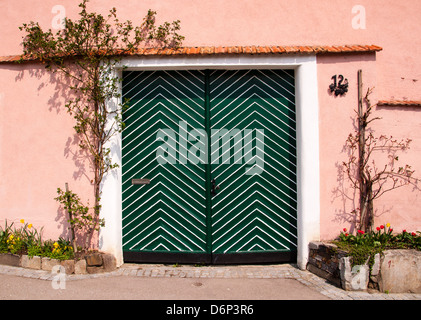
{"points": [[93, 263], [324, 260], [327, 261]]}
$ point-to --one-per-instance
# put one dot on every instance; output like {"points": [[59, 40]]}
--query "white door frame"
{"points": [[307, 113]]}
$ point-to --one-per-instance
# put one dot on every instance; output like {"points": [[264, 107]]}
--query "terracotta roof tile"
{"points": [[273, 49], [219, 50], [289, 49], [376, 48], [209, 50], [306, 49]]}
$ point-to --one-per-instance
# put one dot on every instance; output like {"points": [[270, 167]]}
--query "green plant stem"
{"points": [[70, 213]]}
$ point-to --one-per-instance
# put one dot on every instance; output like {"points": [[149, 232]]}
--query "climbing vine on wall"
{"points": [[87, 51]]}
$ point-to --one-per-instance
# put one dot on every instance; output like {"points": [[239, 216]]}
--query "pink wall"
{"points": [[393, 25], [336, 121], [37, 149], [32, 169]]}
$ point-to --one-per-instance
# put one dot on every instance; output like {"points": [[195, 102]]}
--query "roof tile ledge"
{"points": [[399, 103], [212, 50]]}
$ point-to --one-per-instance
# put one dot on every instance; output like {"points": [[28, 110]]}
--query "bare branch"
{"points": [[365, 176]]}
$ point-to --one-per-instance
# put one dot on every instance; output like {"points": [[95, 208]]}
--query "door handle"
{"points": [[214, 188]]}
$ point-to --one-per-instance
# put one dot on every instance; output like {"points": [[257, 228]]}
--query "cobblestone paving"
{"points": [[283, 271]]}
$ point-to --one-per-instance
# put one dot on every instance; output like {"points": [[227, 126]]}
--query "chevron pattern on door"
{"points": [[167, 215], [254, 211], [219, 150]]}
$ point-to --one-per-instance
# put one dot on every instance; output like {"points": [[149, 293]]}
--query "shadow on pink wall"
{"points": [[383, 157], [51, 122]]}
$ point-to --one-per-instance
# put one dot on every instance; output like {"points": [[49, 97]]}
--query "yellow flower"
{"points": [[56, 245], [22, 221], [30, 226], [388, 225], [11, 237]]}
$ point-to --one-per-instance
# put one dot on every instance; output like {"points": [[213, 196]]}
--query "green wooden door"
{"points": [[209, 166], [254, 164], [168, 215]]}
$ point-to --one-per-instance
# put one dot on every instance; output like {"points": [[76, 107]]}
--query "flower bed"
{"points": [[23, 247], [26, 240], [365, 245], [354, 262]]}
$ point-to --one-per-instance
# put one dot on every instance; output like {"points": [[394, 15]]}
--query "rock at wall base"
{"points": [[400, 271], [9, 259], [80, 267], [31, 262], [355, 279]]}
